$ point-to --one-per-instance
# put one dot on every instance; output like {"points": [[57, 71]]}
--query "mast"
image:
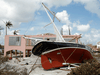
{"points": [[58, 35]]}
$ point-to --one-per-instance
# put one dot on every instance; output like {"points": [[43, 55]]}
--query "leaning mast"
{"points": [[58, 35]]}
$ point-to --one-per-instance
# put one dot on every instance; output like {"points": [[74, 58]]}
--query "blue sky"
{"points": [[29, 17]]}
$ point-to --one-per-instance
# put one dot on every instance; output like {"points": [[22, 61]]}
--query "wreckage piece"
{"points": [[55, 54], [60, 57]]}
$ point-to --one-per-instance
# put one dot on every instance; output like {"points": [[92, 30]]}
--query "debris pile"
{"points": [[90, 67]]}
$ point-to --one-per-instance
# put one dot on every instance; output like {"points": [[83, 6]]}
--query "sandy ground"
{"points": [[21, 63], [37, 69]]}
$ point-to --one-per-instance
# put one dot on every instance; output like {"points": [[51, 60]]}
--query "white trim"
{"points": [[61, 48]]}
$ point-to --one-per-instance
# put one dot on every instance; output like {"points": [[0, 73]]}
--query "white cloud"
{"points": [[91, 5], [76, 34], [64, 17], [81, 27], [56, 3], [82, 1], [32, 28], [38, 13], [2, 36], [92, 38], [95, 33], [66, 29], [10, 32], [19, 11]]}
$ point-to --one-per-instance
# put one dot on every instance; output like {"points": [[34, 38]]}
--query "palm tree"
{"points": [[16, 32], [8, 25]]}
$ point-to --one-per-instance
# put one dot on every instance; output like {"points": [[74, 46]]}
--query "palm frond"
{"points": [[9, 24], [16, 32]]}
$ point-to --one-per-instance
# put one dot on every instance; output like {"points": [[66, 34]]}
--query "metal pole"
{"points": [[50, 12], [55, 28]]}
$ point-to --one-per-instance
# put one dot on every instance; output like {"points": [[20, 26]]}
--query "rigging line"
{"points": [[61, 53], [72, 53], [32, 68], [72, 39], [28, 27]]}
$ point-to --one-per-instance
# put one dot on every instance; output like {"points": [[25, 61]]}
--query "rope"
{"points": [[28, 27], [61, 54], [72, 39], [71, 53], [33, 65]]}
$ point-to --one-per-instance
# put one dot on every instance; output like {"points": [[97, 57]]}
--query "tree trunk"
{"points": [[6, 30]]}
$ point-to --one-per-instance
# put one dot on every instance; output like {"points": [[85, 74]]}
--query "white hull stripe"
{"points": [[61, 48]]}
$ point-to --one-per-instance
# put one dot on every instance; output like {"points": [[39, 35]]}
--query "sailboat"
{"points": [[59, 53]]}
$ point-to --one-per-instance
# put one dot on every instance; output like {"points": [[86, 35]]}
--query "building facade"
{"points": [[17, 42]]}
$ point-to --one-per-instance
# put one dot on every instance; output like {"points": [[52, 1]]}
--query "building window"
{"points": [[51, 39], [69, 39], [14, 41], [27, 42], [32, 42]]}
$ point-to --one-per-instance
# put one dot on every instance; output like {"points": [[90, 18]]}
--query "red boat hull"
{"points": [[67, 55]]}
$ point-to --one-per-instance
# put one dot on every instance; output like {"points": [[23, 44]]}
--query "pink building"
{"points": [[17, 42]]}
